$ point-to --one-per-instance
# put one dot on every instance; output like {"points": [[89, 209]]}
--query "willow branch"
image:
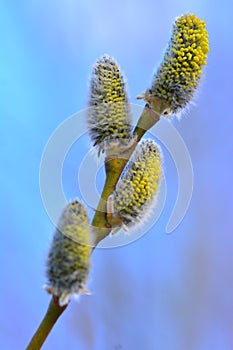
{"points": [[102, 228]]}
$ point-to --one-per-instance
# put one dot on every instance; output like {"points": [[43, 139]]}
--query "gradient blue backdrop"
{"points": [[161, 292]]}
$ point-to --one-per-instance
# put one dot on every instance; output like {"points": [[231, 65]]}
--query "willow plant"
{"points": [[129, 193]]}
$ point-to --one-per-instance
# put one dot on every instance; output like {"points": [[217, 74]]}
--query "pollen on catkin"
{"points": [[108, 117], [177, 77], [136, 191], [68, 261]]}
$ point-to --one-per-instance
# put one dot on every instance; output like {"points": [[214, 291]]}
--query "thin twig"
{"points": [[53, 313]]}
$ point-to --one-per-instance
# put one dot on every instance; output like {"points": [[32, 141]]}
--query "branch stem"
{"points": [[53, 313], [113, 169]]}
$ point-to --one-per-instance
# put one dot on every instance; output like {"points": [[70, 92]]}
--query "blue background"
{"points": [[166, 292]]}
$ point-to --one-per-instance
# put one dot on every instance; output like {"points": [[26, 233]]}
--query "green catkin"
{"points": [[68, 262], [136, 191], [177, 77], [108, 117]]}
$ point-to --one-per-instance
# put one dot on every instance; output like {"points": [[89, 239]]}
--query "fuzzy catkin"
{"points": [[108, 117], [136, 191], [177, 77], [68, 261]]}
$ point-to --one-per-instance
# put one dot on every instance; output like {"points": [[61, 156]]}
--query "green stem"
{"points": [[53, 313]]}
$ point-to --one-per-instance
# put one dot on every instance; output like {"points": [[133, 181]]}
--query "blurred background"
{"points": [[165, 292]]}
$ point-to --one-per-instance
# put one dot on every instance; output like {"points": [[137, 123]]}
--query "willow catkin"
{"points": [[68, 261], [178, 76], [108, 117], [138, 187]]}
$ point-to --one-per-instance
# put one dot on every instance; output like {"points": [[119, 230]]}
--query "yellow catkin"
{"points": [[177, 77], [108, 117], [68, 262], [137, 189]]}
